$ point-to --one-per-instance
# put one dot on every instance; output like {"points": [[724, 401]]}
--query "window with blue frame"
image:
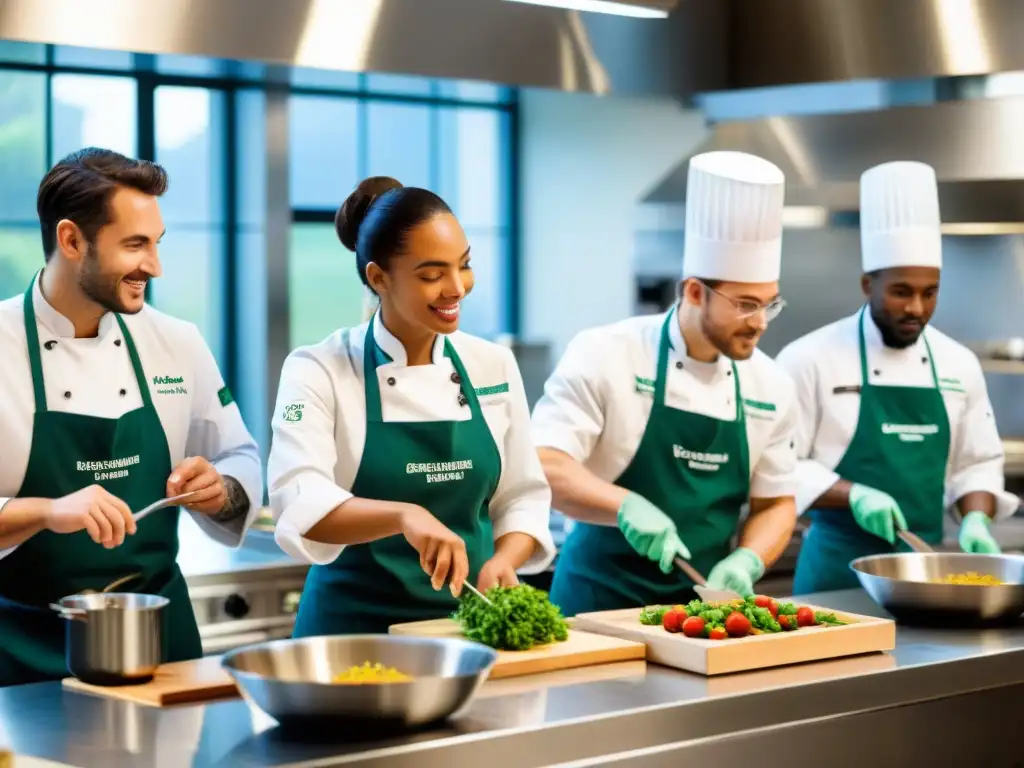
{"points": [[189, 114]]}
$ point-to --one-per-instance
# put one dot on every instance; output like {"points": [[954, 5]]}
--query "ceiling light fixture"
{"points": [[641, 9]]}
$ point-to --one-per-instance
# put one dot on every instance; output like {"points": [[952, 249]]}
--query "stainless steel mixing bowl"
{"points": [[905, 585], [291, 680]]}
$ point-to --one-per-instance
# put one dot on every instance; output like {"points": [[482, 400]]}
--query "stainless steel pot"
{"points": [[113, 638]]}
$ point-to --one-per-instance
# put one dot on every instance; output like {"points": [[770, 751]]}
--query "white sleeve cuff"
{"points": [[232, 532], [1006, 503], [772, 487], [302, 511], [814, 479], [558, 438], [533, 521]]}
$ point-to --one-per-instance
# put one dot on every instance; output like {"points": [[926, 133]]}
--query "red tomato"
{"points": [[670, 621], [788, 623], [737, 625], [718, 633], [763, 601], [805, 617], [693, 627]]}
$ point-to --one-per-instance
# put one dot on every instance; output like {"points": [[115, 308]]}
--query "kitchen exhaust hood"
{"points": [[974, 146]]}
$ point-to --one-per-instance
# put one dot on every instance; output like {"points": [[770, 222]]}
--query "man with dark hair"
{"points": [[895, 421], [658, 432], [107, 406]]}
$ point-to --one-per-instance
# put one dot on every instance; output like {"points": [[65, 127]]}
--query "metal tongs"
{"points": [[74, 613], [700, 585], [914, 541], [162, 504]]}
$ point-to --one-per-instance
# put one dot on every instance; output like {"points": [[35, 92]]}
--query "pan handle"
{"points": [[72, 614]]}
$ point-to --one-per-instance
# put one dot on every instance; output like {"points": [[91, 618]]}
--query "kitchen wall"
{"points": [[585, 162]]}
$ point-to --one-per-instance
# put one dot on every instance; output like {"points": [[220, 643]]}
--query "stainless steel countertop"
{"points": [[533, 721]]}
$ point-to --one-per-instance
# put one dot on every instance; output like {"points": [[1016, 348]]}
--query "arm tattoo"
{"points": [[237, 504]]}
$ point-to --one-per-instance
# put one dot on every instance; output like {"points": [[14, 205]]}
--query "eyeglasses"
{"points": [[745, 308]]}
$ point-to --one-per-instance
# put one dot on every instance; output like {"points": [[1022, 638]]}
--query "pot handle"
{"points": [[76, 614]]}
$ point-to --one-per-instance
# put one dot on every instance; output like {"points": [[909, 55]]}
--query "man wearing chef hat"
{"points": [[655, 431], [895, 421]]}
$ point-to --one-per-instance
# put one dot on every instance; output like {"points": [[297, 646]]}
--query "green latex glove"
{"points": [[651, 532], [976, 536], [876, 512], [738, 571]]}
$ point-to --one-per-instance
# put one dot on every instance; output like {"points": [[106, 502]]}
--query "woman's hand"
{"points": [[442, 553], [497, 572]]}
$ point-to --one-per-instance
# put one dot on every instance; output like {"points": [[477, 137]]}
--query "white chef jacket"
{"points": [[89, 375], [314, 457], [829, 359], [597, 402]]}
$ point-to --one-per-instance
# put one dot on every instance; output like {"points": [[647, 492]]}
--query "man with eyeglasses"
{"points": [[895, 422], [656, 431]]}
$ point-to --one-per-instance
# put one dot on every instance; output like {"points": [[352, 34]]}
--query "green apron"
{"points": [[900, 447], [693, 467], [451, 468], [66, 450]]}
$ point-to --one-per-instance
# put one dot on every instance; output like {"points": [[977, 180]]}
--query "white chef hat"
{"points": [[733, 218], [899, 217]]}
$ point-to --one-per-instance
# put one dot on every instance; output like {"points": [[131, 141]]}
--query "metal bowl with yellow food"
{"points": [[384, 681], [945, 589]]}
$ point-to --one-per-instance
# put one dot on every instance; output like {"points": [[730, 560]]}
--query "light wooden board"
{"points": [[176, 683], [867, 634], [27, 761], [580, 650]]}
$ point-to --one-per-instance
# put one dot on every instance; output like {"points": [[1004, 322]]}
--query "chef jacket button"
{"points": [[679, 365], [117, 342], [50, 344], [729, 372], [67, 395], [123, 392], [391, 381], [463, 400], [877, 372], [924, 359], [456, 379]]}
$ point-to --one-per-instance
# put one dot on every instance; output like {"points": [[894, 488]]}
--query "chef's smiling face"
{"points": [[427, 282], [734, 316], [114, 269], [902, 301]]}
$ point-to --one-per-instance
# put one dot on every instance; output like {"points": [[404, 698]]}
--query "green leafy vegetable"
{"points": [[828, 618], [653, 616], [787, 609], [521, 617]]}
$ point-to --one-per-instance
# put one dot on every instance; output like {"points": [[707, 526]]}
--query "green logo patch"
{"points": [[759, 405], [643, 385], [497, 389], [225, 397], [293, 412]]}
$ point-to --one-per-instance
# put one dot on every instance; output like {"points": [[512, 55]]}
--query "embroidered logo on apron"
{"points": [[910, 433], [705, 462], [441, 472]]}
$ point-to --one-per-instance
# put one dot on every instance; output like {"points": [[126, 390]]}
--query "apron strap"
{"points": [[34, 358], [864, 383], [133, 353], [374, 356], [661, 375]]}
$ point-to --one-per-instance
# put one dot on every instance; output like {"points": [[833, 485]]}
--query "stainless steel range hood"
{"points": [[974, 146]]}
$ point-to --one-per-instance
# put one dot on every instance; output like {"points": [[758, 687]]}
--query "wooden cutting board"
{"points": [[177, 683], [582, 649], [866, 634]]}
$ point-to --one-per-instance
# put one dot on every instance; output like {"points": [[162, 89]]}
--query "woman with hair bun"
{"points": [[402, 463]]}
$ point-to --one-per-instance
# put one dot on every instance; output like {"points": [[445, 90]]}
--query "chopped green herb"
{"points": [[520, 618]]}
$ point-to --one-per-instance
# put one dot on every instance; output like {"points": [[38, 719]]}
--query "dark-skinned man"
{"points": [[895, 424]]}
